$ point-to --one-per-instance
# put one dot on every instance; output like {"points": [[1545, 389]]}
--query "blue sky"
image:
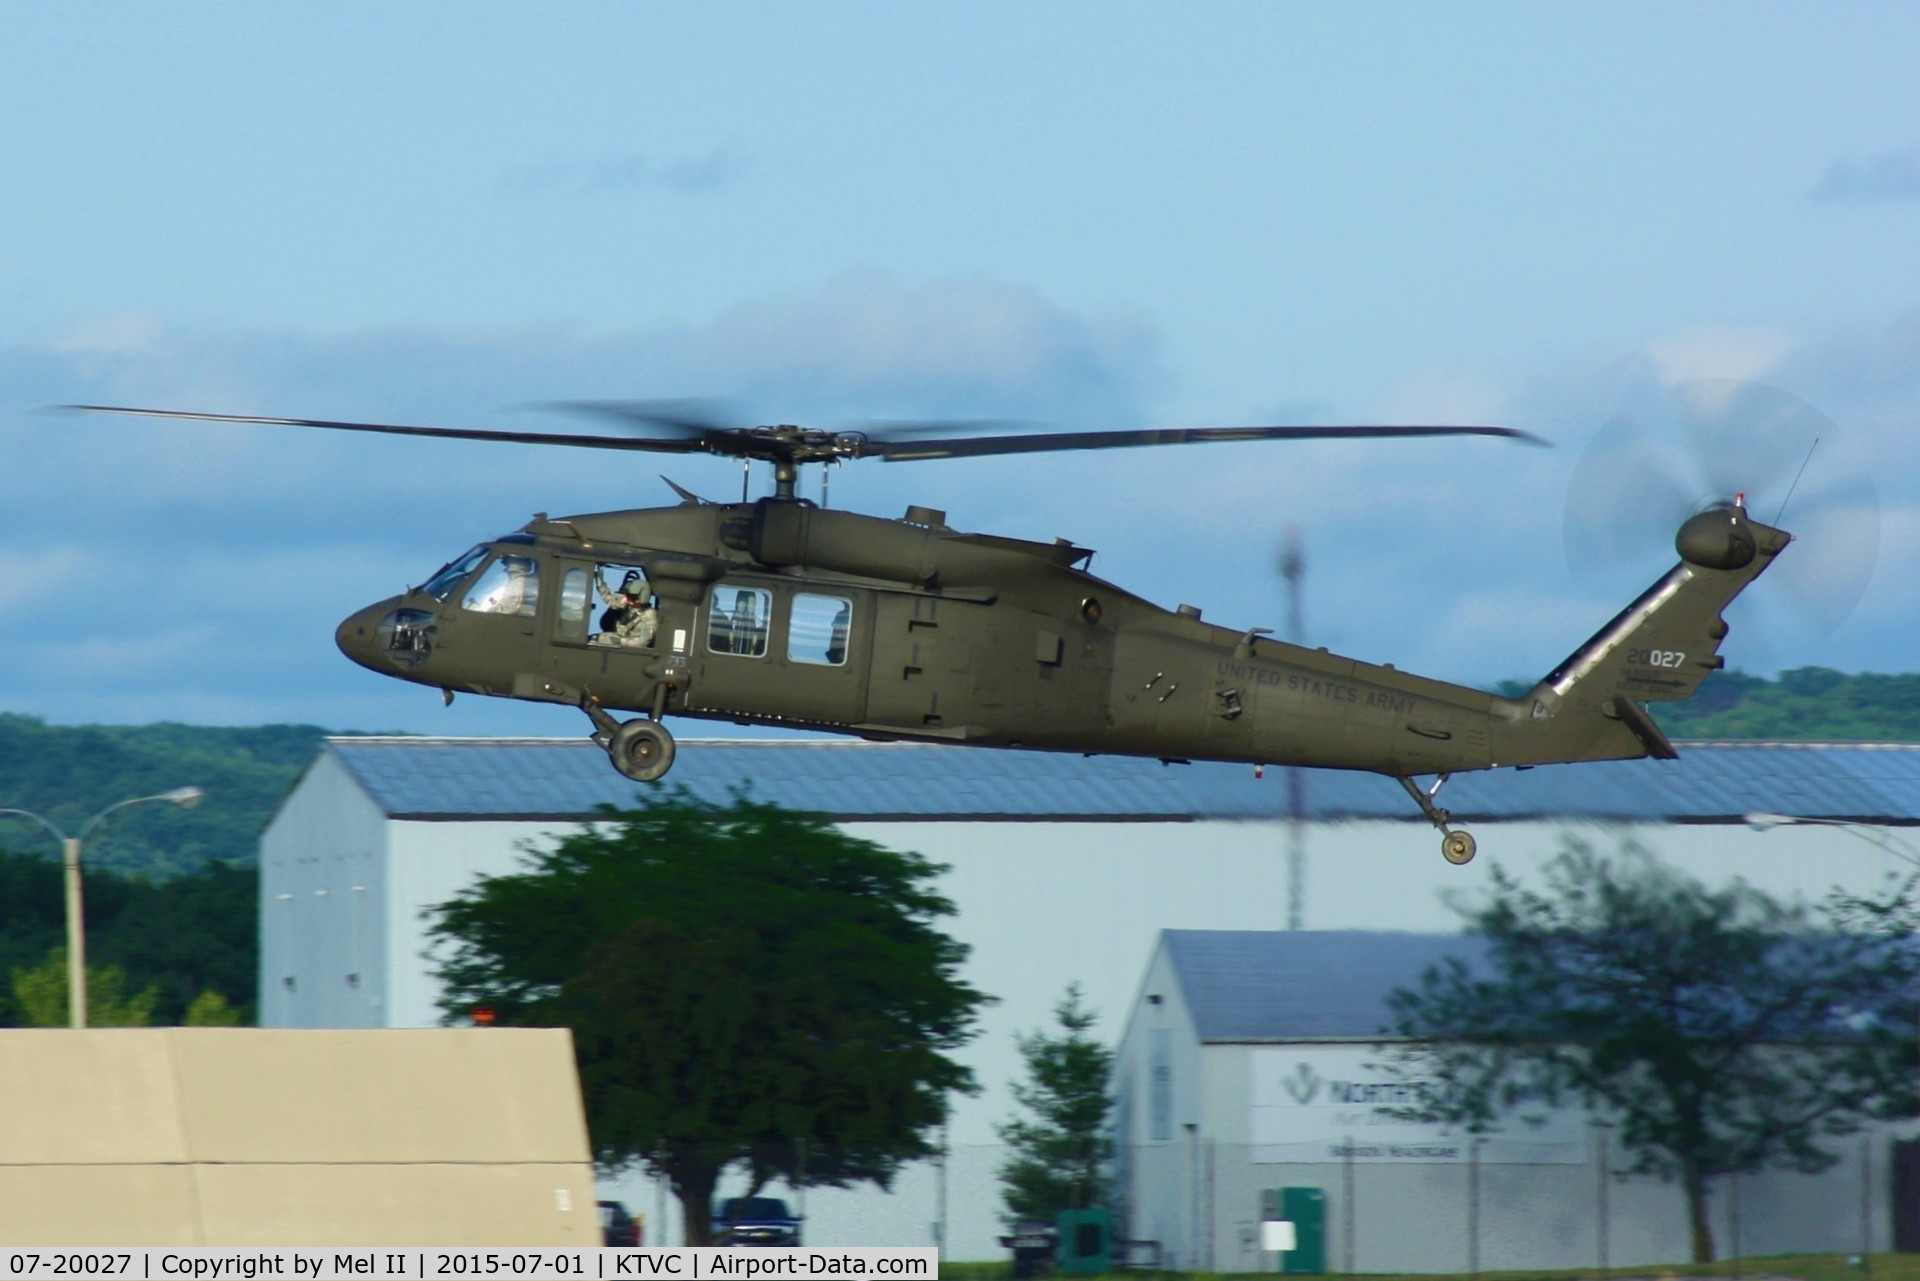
{"points": [[1087, 215]]}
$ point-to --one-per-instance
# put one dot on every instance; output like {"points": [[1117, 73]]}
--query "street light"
{"points": [[185, 797]]}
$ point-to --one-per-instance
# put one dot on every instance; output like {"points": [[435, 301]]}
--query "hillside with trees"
{"points": [[71, 772], [1806, 704]]}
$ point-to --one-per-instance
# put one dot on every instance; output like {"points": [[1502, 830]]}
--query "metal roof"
{"points": [[1719, 782], [1307, 985], [1301, 985]]}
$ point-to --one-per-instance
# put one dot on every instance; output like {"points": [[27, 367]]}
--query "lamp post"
{"points": [[70, 847]]}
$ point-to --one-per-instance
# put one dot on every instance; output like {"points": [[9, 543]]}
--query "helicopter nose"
{"points": [[358, 636]]}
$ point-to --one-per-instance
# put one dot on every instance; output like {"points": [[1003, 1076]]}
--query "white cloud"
{"points": [[868, 343], [1718, 352], [1456, 397], [119, 334]]}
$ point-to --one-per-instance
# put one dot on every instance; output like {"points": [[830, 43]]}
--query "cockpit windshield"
{"points": [[511, 585], [449, 576]]}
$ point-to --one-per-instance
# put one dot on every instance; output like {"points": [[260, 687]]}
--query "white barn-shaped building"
{"points": [[1252, 1062], [1063, 869]]}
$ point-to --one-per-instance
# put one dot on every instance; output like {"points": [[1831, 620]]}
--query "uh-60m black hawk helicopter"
{"points": [[784, 612]]}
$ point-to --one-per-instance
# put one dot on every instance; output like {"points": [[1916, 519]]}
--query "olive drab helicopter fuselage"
{"points": [[781, 612]]}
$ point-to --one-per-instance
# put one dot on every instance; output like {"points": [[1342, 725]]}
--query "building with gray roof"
{"points": [[1255, 1061], [1063, 869], [1717, 782]]}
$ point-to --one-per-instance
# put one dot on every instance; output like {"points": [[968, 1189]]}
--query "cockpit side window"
{"points": [[511, 585], [449, 575], [573, 605]]}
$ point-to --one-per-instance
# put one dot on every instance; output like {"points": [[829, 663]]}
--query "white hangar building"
{"points": [[1250, 1063], [1064, 869]]}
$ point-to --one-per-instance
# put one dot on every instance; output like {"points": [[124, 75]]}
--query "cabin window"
{"points": [[573, 605], [738, 620], [817, 632], [511, 585], [448, 576]]}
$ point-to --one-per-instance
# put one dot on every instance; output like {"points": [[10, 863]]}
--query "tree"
{"points": [[181, 935], [186, 934], [1060, 1155], [211, 1009], [745, 985], [40, 994], [1723, 1031]]}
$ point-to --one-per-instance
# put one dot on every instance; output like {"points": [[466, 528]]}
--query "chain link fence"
{"points": [[1195, 1204]]}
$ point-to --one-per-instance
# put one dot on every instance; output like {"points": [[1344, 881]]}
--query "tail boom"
{"points": [[1658, 649]]}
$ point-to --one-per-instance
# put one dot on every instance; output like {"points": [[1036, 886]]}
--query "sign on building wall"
{"points": [[1318, 1104]]}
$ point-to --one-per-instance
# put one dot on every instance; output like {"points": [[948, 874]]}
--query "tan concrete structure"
{"points": [[261, 1137]]}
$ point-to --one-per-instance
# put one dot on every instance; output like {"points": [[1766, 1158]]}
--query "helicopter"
{"points": [[784, 612]]}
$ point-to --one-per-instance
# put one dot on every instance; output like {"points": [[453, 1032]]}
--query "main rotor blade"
{"points": [[702, 418], [905, 451], [955, 428], [654, 444], [894, 442]]}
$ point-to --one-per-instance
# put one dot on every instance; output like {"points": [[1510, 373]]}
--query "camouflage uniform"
{"points": [[634, 622]]}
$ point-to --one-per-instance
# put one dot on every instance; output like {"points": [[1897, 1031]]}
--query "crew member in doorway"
{"points": [[628, 619]]}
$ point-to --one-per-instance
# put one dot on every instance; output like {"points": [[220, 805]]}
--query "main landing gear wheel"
{"points": [[642, 750], [1458, 847]]}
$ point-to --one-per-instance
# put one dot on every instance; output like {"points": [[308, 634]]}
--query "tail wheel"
{"points": [[642, 750], [1458, 847]]}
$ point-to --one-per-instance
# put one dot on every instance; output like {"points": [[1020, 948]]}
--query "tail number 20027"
{"points": [[1657, 657]]}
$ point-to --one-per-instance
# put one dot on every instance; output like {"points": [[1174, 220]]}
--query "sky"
{"points": [[1077, 215]]}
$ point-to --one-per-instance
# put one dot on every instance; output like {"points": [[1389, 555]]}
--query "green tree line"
{"points": [[172, 941], [69, 773], [1804, 704]]}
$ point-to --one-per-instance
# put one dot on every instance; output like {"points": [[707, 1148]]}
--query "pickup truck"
{"points": [[755, 1220]]}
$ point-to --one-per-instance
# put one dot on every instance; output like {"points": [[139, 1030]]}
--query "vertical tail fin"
{"points": [[1657, 649]]}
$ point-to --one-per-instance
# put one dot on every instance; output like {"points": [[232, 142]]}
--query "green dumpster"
{"points": [[1306, 1210], [1086, 1242]]}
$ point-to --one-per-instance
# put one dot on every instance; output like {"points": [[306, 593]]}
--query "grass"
{"points": [[1797, 1267]]}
